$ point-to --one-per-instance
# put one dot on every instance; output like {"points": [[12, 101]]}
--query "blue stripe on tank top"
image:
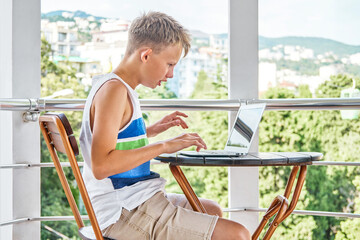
{"points": [[136, 128]]}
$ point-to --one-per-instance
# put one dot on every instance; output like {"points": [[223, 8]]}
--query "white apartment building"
{"points": [[355, 58], [267, 76], [63, 37], [187, 70], [108, 44]]}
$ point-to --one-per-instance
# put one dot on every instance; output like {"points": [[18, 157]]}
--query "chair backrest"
{"points": [[59, 137]]}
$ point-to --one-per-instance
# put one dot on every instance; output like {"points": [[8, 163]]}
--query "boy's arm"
{"points": [[109, 104]]}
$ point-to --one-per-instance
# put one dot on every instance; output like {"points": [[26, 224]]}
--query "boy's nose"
{"points": [[170, 74]]}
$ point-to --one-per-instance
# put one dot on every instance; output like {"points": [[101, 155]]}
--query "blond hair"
{"points": [[157, 30]]}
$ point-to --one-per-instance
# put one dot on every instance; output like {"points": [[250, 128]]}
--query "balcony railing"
{"points": [[32, 107], [41, 104]]}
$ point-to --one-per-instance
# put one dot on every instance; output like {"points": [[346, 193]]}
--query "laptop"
{"points": [[241, 135]]}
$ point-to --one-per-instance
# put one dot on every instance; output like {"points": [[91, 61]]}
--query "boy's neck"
{"points": [[128, 73]]}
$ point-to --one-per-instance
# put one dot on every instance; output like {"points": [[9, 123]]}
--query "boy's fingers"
{"points": [[195, 140], [177, 113], [200, 139], [175, 122], [198, 145], [182, 122], [170, 124]]}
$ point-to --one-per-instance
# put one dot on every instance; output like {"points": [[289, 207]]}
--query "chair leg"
{"points": [[272, 210], [275, 223], [187, 189], [280, 205], [297, 191]]}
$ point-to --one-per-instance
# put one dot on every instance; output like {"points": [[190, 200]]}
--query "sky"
{"points": [[334, 19], [207, 15]]}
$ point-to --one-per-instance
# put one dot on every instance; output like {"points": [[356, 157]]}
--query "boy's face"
{"points": [[158, 67]]}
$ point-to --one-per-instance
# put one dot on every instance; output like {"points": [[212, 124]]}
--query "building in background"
{"points": [[208, 53], [63, 37], [94, 46]]}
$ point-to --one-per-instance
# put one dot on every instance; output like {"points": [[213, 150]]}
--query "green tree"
{"points": [[56, 77], [326, 188]]}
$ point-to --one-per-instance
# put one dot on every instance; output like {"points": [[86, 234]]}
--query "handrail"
{"points": [[36, 165], [299, 212], [239, 209], [154, 162], [43, 218], [41, 104]]}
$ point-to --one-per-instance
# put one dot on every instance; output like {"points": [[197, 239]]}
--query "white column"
{"points": [[19, 141], [243, 84], [6, 186]]}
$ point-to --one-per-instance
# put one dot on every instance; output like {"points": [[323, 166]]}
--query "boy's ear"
{"points": [[144, 55]]}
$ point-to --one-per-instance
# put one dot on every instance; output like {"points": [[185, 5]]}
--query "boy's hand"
{"points": [[183, 141], [171, 120]]}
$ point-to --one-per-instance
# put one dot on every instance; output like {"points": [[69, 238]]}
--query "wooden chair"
{"points": [[59, 137], [280, 205]]}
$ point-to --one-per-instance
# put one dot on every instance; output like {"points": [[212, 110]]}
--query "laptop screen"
{"points": [[245, 126]]}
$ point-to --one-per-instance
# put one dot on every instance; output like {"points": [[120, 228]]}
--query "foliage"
{"points": [[84, 36], [332, 88], [304, 66], [161, 92], [58, 18], [326, 188], [53, 200], [350, 229]]}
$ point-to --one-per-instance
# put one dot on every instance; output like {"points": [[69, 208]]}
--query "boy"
{"points": [[129, 200]]}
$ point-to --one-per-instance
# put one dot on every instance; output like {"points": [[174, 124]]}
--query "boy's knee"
{"points": [[230, 230], [212, 207], [243, 233], [240, 232]]}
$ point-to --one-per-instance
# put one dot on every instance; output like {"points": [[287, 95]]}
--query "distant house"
{"points": [[63, 37]]}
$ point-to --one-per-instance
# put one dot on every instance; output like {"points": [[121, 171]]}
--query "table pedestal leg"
{"points": [[187, 189]]}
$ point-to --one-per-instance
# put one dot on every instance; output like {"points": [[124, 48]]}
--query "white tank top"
{"points": [[108, 201]]}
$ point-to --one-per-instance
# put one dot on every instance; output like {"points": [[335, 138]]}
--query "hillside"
{"points": [[57, 15], [319, 45]]}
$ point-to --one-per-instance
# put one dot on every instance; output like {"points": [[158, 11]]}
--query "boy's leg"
{"points": [[224, 228], [159, 219], [212, 207], [227, 229]]}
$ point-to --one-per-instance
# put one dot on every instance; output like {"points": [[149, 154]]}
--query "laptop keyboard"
{"points": [[210, 153]]}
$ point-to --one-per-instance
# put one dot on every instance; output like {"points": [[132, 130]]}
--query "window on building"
{"points": [[73, 37], [73, 50], [61, 37], [48, 36], [62, 49]]}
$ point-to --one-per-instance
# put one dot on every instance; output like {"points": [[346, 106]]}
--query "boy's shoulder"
{"points": [[113, 89]]}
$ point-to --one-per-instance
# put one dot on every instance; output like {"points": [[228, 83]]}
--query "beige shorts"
{"points": [[162, 218]]}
